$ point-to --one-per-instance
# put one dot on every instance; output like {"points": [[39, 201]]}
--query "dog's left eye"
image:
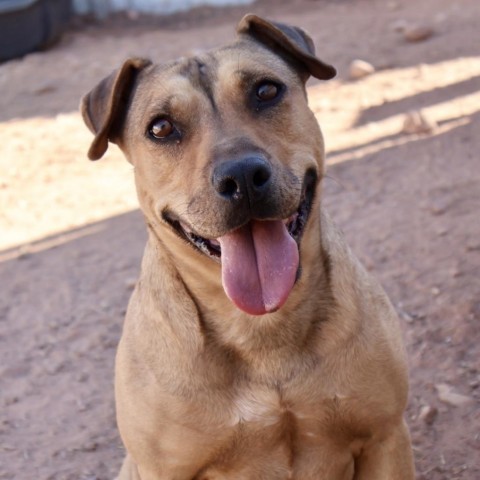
{"points": [[267, 94], [267, 91]]}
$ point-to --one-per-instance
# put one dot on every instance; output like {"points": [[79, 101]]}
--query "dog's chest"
{"points": [[283, 436], [298, 412]]}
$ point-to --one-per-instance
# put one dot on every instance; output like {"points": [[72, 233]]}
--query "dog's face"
{"points": [[227, 154]]}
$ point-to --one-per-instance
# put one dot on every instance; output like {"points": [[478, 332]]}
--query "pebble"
{"points": [[55, 367], [406, 316], [416, 122], [400, 25], [447, 395], [393, 5], [10, 400], [428, 414], [455, 273], [472, 247], [439, 207], [82, 377], [474, 384], [130, 283], [81, 406], [104, 305], [360, 69], [435, 291], [89, 446], [44, 88], [417, 33]]}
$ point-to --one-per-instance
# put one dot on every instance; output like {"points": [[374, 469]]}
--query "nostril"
{"points": [[245, 178], [260, 177], [228, 187]]}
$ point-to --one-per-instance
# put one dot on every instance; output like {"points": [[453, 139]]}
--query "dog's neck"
{"points": [[220, 322]]}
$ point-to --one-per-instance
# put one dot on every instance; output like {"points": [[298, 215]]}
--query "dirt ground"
{"points": [[408, 201]]}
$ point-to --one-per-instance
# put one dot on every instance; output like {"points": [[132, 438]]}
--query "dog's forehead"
{"points": [[192, 86], [223, 64], [253, 57]]}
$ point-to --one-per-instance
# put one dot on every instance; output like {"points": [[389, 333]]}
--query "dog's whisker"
{"points": [[336, 180]]}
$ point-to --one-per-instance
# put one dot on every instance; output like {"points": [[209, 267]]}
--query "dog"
{"points": [[255, 345]]}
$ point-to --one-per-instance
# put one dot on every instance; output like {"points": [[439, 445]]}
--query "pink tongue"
{"points": [[259, 266]]}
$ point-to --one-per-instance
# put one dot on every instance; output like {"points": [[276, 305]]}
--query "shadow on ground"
{"points": [[419, 101], [64, 300]]}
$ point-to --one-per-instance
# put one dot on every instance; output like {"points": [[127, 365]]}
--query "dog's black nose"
{"points": [[247, 179]]}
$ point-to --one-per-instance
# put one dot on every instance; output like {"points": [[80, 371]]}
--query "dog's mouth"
{"points": [[260, 259], [295, 224]]}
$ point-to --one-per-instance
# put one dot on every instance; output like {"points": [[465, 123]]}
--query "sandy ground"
{"points": [[71, 238]]}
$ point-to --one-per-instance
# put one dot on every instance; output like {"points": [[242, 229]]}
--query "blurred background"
{"points": [[401, 123]]}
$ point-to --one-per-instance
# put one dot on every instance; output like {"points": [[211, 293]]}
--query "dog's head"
{"points": [[227, 154]]}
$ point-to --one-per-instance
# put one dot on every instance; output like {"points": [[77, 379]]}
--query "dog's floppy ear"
{"points": [[288, 41], [103, 108]]}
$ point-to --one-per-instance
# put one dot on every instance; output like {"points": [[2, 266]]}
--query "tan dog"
{"points": [[255, 345]]}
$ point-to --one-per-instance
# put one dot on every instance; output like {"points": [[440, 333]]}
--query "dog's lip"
{"points": [[210, 246]]}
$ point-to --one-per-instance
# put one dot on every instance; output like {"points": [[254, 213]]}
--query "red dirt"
{"points": [[71, 242]]}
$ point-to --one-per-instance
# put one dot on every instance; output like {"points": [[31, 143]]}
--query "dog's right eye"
{"points": [[161, 128]]}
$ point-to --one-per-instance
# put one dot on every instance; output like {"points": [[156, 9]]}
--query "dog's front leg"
{"points": [[388, 459], [129, 470]]}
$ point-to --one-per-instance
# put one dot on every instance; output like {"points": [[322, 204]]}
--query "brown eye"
{"points": [[267, 91], [161, 128]]}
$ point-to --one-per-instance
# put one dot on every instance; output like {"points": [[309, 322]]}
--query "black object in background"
{"points": [[29, 25]]}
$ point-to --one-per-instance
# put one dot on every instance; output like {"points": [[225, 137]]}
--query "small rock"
{"points": [[82, 377], [81, 406], [104, 305], [393, 5], [53, 325], [404, 315], [448, 396], [435, 291], [400, 25], [416, 122], [44, 88], [4, 474], [89, 446], [55, 367], [474, 384], [360, 68], [428, 414], [109, 342], [455, 272], [10, 400], [472, 247], [439, 207], [24, 255], [417, 33], [458, 470]]}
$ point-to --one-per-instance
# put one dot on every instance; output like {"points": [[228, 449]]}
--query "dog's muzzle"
{"points": [[259, 255]]}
